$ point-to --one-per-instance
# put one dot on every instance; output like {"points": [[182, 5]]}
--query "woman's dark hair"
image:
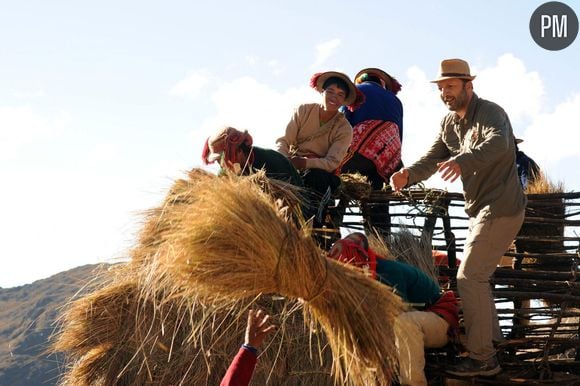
{"points": [[339, 82]]}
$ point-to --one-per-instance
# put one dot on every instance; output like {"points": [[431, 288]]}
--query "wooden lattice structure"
{"points": [[537, 288]]}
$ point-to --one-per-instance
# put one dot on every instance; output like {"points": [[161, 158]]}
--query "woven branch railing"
{"points": [[538, 295]]}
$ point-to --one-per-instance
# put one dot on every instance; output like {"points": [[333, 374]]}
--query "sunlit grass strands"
{"points": [[537, 212], [235, 245], [413, 250], [175, 314]]}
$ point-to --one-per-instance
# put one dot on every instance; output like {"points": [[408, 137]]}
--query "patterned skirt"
{"points": [[379, 142]]}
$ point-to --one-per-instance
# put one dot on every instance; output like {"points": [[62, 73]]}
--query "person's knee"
{"points": [[464, 278]]}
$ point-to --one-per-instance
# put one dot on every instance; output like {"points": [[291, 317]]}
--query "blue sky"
{"points": [[103, 104]]}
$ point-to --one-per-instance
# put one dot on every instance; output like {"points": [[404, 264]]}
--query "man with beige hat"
{"points": [[475, 142]]}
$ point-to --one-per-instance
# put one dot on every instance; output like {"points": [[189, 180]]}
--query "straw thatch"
{"points": [[175, 314], [118, 336], [404, 246], [537, 211], [355, 185], [542, 184], [379, 244]]}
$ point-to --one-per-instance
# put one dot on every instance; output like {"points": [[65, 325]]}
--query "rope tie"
{"points": [[283, 252], [320, 289]]}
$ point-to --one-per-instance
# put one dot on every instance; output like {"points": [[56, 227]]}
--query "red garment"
{"points": [[379, 142], [448, 308], [241, 369], [440, 260], [227, 141], [351, 252]]}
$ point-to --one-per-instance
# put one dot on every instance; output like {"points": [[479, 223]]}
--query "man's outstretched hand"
{"points": [[450, 170], [399, 179]]}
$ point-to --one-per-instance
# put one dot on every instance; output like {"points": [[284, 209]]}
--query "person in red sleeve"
{"points": [[242, 367]]}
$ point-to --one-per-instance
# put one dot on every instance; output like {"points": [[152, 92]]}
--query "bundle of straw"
{"points": [[544, 208], [355, 186], [175, 313], [232, 244], [406, 247], [118, 336]]}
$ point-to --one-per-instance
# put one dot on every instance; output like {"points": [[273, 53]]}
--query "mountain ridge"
{"points": [[29, 318]]}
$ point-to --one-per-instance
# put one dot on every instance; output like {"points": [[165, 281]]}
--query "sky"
{"points": [[104, 104]]}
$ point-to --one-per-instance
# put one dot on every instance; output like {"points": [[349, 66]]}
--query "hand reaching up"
{"points": [[258, 328]]}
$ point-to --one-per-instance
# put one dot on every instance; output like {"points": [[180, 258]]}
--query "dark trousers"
{"points": [[317, 182]]}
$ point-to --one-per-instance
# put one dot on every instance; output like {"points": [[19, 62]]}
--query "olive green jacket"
{"points": [[483, 145]]}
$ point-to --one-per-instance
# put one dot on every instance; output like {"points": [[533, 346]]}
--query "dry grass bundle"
{"points": [[542, 184], [118, 336], [176, 313], [289, 198], [233, 245], [413, 250], [546, 208], [355, 185], [379, 245]]}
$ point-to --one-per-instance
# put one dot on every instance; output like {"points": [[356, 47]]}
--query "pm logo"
{"points": [[554, 26]]}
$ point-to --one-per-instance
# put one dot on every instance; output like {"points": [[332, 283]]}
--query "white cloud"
{"points": [[163, 173], [276, 67], [64, 218], [251, 60], [245, 103], [554, 136], [102, 153], [29, 94], [513, 87], [422, 113], [191, 85], [20, 125], [324, 51]]}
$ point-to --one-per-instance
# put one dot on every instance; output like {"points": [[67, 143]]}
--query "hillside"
{"points": [[27, 321]]}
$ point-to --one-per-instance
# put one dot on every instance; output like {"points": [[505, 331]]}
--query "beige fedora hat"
{"points": [[454, 68]]}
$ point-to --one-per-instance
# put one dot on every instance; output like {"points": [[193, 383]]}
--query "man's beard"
{"points": [[458, 102]]}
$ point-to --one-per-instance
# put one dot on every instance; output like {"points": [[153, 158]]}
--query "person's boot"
{"points": [[469, 367]]}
